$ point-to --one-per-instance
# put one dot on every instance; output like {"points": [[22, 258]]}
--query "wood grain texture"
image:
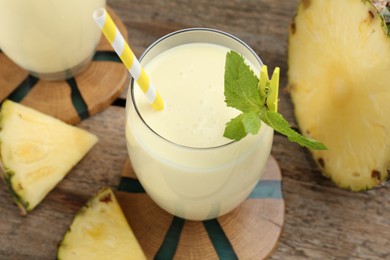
{"points": [[253, 228], [11, 76], [59, 91], [321, 220], [140, 209]]}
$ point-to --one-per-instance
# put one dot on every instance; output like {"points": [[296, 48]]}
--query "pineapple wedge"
{"points": [[338, 77], [37, 151], [100, 231]]}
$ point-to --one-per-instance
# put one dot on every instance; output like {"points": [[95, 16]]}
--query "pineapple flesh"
{"points": [[37, 151], [339, 81], [100, 231]]}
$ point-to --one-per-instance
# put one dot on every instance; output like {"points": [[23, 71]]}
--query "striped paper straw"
{"points": [[127, 56]]}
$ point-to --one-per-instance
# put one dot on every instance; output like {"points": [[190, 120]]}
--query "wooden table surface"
{"points": [[321, 220]]}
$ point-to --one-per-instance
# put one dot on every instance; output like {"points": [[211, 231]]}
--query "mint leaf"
{"points": [[235, 129], [258, 100], [251, 122], [241, 125], [279, 124], [241, 84]]}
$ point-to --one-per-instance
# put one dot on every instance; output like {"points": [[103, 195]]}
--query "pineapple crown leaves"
{"points": [[257, 99]]}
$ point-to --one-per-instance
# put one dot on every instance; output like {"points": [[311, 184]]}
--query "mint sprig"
{"points": [[257, 100]]}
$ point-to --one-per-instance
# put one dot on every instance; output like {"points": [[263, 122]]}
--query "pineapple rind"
{"points": [[383, 8], [100, 231], [22, 204], [37, 151], [322, 111]]}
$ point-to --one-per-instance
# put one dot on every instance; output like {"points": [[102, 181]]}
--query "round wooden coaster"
{"points": [[251, 231], [74, 99]]}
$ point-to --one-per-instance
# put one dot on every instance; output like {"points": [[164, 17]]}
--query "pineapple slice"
{"points": [[37, 151], [338, 59], [100, 231]]}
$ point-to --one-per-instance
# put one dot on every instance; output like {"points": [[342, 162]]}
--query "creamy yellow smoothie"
{"points": [[48, 37], [180, 155], [190, 78]]}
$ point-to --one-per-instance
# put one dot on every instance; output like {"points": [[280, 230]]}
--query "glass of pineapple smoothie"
{"points": [[179, 154], [52, 40]]}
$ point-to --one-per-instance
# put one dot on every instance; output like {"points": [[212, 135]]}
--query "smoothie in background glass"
{"points": [[180, 155], [50, 39]]}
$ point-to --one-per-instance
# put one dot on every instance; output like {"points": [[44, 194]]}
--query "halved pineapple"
{"points": [[37, 151], [339, 80], [100, 231]]}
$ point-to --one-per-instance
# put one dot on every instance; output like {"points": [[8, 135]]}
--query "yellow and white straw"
{"points": [[127, 56]]}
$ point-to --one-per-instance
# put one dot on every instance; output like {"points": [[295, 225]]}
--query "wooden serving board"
{"points": [[76, 98], [251, 231]]}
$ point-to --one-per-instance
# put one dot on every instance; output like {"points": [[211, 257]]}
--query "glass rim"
{"points": [[195, 29]]}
